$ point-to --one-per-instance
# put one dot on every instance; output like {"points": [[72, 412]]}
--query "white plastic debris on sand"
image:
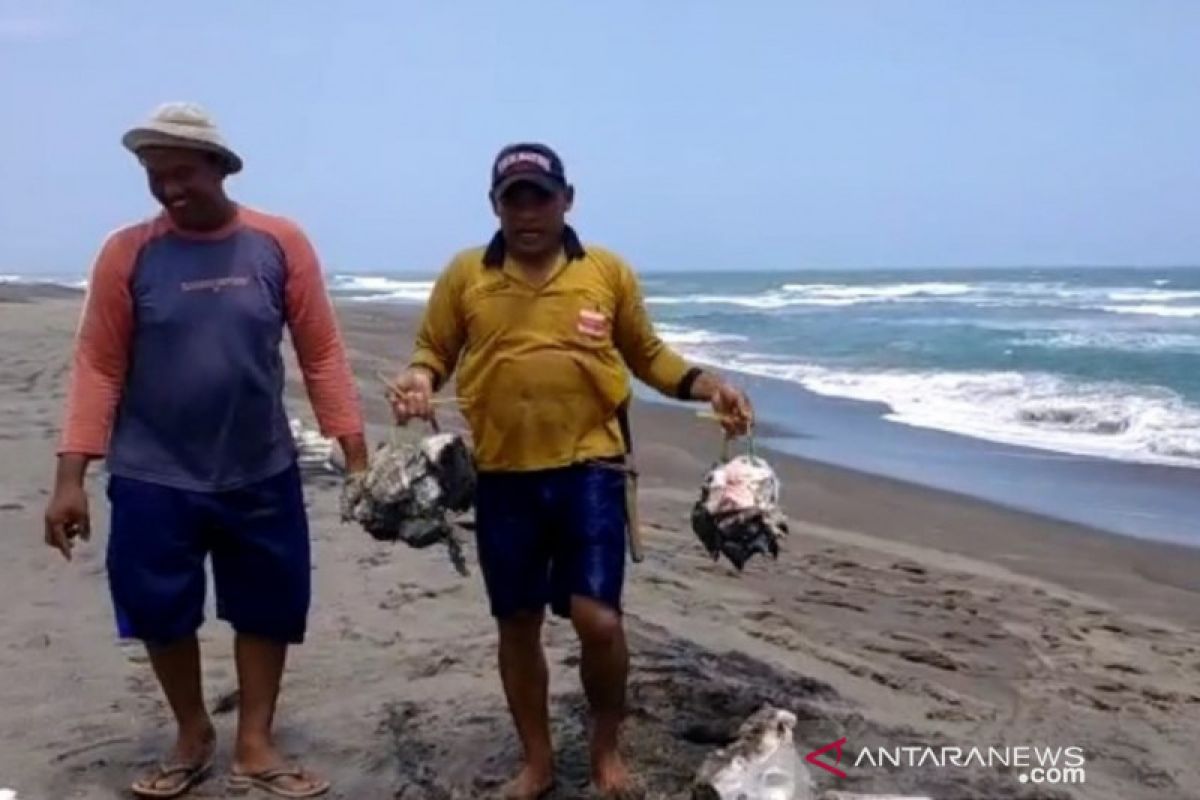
{"points": [[314, 452], [760, 764]]}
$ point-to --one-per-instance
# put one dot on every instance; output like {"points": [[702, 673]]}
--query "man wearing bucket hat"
{"points": [[177, 383], [542, 332]]}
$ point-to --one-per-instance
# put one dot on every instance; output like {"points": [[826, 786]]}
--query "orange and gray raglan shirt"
{"points": [[178, 374]]}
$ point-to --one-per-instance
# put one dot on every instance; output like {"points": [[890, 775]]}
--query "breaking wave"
{"points": [[378, 288], [1119, 341], [984, 294], [1109, 420], [44, 280], [680, 335], [1046, 411], [820, 294], [1155, 310]]}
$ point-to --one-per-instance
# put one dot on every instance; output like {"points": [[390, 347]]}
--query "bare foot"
{"points": [[612, 780], [529, 784]]}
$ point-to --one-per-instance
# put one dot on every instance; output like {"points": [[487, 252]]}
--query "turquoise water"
{"points": [[1102, 362]]}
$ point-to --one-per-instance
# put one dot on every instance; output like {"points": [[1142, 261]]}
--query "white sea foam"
{"points": [[379, 288], [1155, 310], [44, 280], [820, 294], [680, 335], [1046, 411], [983, 294], [881, 292], [1114, 340], [1108, 420], [1152, 295]]}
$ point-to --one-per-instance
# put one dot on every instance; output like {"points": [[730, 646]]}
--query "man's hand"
{"points": [[411, 395], [67, 518], [352, 492], [733, 407], [730, 404]]}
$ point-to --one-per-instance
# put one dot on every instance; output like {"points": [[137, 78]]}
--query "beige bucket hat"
{"points": [[185, 125]]}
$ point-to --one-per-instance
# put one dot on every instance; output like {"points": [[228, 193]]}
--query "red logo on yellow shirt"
{"points": [[592, 324]]}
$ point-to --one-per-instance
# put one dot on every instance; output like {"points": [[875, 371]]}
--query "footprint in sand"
{"points": [[1079, 697], [660, 580], [958, 637], [428, 666], [1168, 698], [821, 598], [1126, 668], [763, 616], [1113, 687], [931, 658], [777, 638], [373, 560]]}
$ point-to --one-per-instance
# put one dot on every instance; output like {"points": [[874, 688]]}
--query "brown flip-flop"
{"points": [[192, 774], [268, 781]]}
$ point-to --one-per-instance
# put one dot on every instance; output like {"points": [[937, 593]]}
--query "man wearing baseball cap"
{"points": [[177, 383], [541, 334]]}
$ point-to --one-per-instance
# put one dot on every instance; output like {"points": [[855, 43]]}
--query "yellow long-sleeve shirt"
{"points": [[542, 370]]}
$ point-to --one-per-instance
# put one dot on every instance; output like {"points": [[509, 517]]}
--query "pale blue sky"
{"points": [[700, 134]]}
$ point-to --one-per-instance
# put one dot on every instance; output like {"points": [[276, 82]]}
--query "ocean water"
{"points": [[1096, 362], [1074, 394]]}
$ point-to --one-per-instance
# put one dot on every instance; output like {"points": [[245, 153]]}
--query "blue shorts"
{"points": [[545, 536], [160, 537]]}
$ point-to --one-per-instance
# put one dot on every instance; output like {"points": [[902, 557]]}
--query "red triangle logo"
{"points": [[814, 757]]}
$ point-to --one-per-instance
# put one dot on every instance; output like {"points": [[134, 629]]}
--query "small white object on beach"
{"points": [[313, 451], [8, 794], [760, 764]]}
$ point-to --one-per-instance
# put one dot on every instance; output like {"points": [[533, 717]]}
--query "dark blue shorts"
{"points": [[258, 539], [548, 535]]}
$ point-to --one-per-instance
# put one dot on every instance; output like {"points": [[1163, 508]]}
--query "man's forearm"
{"points": [[705, 386], [71, 469], [354, 448]]}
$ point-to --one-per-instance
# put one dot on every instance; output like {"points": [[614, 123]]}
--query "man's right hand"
{"points": [[411, 395], [67, 518]]}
